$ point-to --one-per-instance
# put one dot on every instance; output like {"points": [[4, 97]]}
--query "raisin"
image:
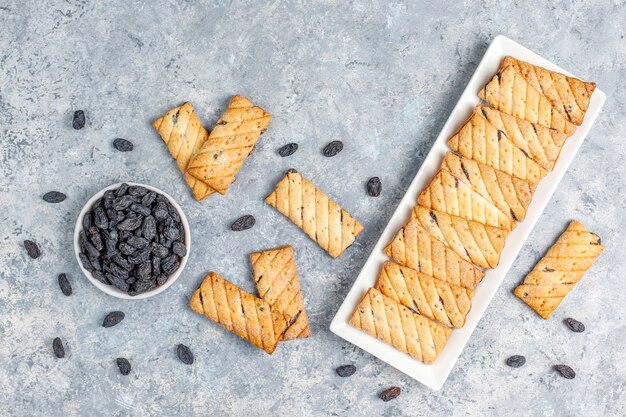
{"points": [[346, 370], [137, 190], [184, 354], [137, 242], [288, 150], [574, 325], [160, 211], [117, 282], [374, 187], [123, 202], [123, 365], [516, 361], [123, 145], [170, 264], [565, 371], [160, 250], [333, 148], [141, 209], [243, 223], [148, 228], [100, 277], [123, 189], [54, 197], [161, 279], [172, 233], [179, 249], [64, 283], [140, 287], [85, 261], [113, 318], [96, 239], [140, 257], [78, 121], [100, 218], [144, 270], [148, 199], [57, 347], [390, 394], [32, 249], [130, 223]]}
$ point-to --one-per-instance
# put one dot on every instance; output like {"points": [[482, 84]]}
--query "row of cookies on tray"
{"points": [[462, 218]]}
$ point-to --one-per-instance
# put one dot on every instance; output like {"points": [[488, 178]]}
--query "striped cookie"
{"points": [[560, 269], [432, 298], [322, 219], [394, 324], [274, 273]]}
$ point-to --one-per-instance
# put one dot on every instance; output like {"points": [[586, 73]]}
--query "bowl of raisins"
{"points": [[132, 240]]}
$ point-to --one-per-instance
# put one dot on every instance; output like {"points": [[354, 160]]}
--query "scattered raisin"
{"points": [[390, 394], [123, 145], [374, 186], [184, 354], [288, 150], [516, 361], [113, 318], [78, 121], [123, 365], [346, 370], [574, 325], [243, 223], [65, 285], [32, 249], [57, 347], [333, 148], [565, 371], [54, 197]]}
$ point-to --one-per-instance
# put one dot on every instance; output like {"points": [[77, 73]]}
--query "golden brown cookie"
{"points": [[541, 144], [481, 141], [220, 158], [472, 241], [570, 96], [452, 195], [511, 195], [415, 248], [247, 316], [560, 269], [432, 298], [276, 280], [183, 134], [396, 325], [508, 91], [322, 219]]}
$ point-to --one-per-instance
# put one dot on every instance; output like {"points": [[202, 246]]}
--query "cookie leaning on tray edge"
{"points": [[462, 218]]}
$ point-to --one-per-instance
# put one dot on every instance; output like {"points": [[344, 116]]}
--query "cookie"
{"points": [[541, 144], [452, 195], [569, 96], [472, 241], [508, 91], [183, 134], [511, 195], [415, 248], [481, 141], [232, 140], [396, 325], [247, 316], [432, 298], [274, 273], [322, 219], [560, 269]]}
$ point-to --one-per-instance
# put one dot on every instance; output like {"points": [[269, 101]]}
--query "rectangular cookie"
{"points": [[452, 195], [508, 91], [321, 218], [437, 300], [569, 96], [415, 248], [541, 144], [396, 325], [274, 273], [511, 195], [247, 316], [472, 241], [481, 141], [560, 269], [231, 141], [183, 134]]}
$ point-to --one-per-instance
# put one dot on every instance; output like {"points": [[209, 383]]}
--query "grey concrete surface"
{"points": [[380, 76]]}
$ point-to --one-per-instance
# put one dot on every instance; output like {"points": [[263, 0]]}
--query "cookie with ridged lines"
{"points": [[396, 325], [276, 279], [556, 274], [437, 300]]}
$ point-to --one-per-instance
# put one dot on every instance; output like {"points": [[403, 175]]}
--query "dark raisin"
{"points": [[160, 211], [113, 318], [141, 209], [179, 249], [87, 220], [137, 190], [32, 249], [64, 283], [333, 148], [84, 259], [100, 277], [54, 197], [574, 325], [123, 202], [184, 354], [148, 199], [123, 189], [173, 213], [148, 228], [390, 394], [117, 282], [374, 186], [123, 145], [565, 371], [140, 287], [516, 361], [144, 270], [172, 233], [123, 365], [96, 239], [78, 121], [91, 249], [161, 279], [130, 223], [116, 215], [137, 242], [119, 260], [346, 370], [100, 218], [140, 257], [127, 249], [288, 149], [170, 264], [156, 264], [243, 223], [57, 347], [160, 250], [95, 263]]}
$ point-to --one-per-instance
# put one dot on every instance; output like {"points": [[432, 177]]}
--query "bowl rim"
{"points": [[110, 289]]}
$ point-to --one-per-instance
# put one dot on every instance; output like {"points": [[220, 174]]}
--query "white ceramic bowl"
{"points": [[110, 289]]}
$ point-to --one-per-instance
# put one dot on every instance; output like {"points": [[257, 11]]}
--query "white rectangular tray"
{"points": [[435, 375]]}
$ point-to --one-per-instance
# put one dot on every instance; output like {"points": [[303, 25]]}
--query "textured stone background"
{"points": [[382, 78]]}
